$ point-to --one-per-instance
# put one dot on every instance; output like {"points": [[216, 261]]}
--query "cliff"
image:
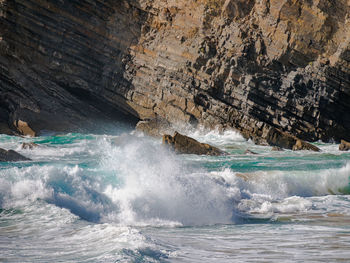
{"points": [[264, 67], [61, 64]]}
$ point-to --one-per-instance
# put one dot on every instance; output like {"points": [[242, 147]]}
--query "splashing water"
{"points": [[95, 198]]}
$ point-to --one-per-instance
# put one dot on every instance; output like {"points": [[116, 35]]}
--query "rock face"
{"points": [[344, 146], [61, 64], [186, 145], [11, 156], [255, 65]]}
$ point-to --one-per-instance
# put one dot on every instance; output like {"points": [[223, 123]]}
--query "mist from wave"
{"points": [[94, 189]]}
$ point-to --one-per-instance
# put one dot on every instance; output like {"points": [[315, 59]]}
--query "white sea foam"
{"points": [[138, 182], [216, 136], [157, 187], [137, 192]]}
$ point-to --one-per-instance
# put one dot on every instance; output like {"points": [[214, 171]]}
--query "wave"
{"points": [[136, 181]]}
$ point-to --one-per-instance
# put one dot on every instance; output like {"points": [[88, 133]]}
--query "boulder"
{"points": [[344, 146], [302, 145], [29, 145], [185, 145], [281, 139], [11, 156]]}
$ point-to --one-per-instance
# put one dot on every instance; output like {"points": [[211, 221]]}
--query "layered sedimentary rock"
{"points": [[60, 63], [252, 65], [259, 66]]}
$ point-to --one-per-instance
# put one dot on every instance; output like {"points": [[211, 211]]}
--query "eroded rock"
{"points": [[11, 156], [185, 145], [344, 146]]}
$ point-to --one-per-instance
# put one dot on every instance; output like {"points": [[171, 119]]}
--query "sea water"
{"points": [[127, 198]]}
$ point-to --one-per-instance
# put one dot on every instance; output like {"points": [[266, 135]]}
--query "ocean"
{"points": [[127, 198]]}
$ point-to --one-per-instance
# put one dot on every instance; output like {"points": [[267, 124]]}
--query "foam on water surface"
{"points": [[80, 188]]}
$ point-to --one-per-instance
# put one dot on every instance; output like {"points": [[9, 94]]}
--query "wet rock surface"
{"points": [[344, 146], [11, 156], [255, 65], [185, 145], [284, 140], [29, 145]]}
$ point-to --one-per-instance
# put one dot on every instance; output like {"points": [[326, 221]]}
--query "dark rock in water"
{"points": [[301, 145], [185, 145], [11, 156], [154, 127], [344, 146], [249, 152], [284, 140], [280, 139], [277, 149], [29, 145]]}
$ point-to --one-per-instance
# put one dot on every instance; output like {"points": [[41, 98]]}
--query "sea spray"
{"points": [[88, 198], [156, 186], [133, 180]]}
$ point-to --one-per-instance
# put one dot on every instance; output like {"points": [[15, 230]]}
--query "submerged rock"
{"points": [[29, 145], [186, 145], [11, 156], [249, 152], [277, 149], [344, 146]]}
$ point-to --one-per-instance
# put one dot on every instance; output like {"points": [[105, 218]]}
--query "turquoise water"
{"points": [[126, 198]]}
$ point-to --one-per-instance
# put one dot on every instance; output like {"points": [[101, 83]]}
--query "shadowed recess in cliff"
{"points": [[62, 63]]}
